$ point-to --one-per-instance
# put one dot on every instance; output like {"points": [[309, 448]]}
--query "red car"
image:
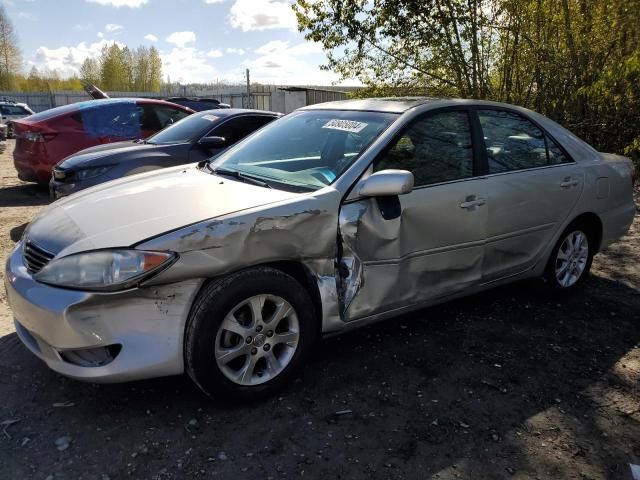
{"points": [[43, 139]]}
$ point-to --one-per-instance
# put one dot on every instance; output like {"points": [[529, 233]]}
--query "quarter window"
{"points": [[556, 156], [436, 148], [514, 143]]}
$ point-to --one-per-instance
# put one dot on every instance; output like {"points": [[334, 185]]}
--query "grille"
{"points": [[35, 258]]}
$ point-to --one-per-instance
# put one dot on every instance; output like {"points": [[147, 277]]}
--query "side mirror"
{"points": [[212, 142], [387, 183]]}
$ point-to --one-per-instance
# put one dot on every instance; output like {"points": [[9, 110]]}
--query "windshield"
{"points": [[305, 150], [186, 130]]}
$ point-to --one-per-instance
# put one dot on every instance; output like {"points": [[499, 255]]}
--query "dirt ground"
{"points": [[507, 384]]}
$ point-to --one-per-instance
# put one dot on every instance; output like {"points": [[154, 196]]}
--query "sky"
{"points": [[198, 40]]}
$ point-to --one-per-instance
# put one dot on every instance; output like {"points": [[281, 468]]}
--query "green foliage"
{"points": [[577, 61], [123, 70], [10, 55], [90, 71], [42, 81]]}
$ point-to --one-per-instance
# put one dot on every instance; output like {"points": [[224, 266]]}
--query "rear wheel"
{"points": [[249, 333], [10, 131], [571, 258]]}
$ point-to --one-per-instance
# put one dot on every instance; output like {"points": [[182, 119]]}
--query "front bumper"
{"points": [[143, 328], [60, 189]]}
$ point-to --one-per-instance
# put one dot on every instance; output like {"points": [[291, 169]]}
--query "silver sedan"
{"points": [[330, 218]]}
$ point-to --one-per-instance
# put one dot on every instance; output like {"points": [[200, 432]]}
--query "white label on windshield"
{"points": [[345, 125], [211, 118]]}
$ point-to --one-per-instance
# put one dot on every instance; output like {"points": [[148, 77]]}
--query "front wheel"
{"points": [[249, 333], [571, 259]]}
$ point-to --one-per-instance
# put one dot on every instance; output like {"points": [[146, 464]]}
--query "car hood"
{"points": [[127, 211], [113, 153]]}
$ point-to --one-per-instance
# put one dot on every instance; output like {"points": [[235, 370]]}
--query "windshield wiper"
{"points": [[239, 176]]}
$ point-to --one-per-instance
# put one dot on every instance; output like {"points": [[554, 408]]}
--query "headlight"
{"points": [[91, 172], [105, 270]]}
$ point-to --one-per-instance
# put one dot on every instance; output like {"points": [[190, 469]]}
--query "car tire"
{"points": [[571, 258], [248, 334], [10, 131]]}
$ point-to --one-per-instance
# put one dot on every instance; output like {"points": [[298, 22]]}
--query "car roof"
{"points": [[577, 148], [153, 101], [55, 112], [229, 112], [192, 99], [402, 104], [9, 102], [384, 104]]}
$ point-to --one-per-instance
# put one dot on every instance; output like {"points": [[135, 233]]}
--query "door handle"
{"points": [[472, 202], [568, 182]]}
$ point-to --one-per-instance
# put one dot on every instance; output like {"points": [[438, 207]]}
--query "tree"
{"points": [[113, 69], [439, 44], [155, 70], [576, 61], [127, 79], [141, 69], [10, 55], [35, 82], [90, 71]]}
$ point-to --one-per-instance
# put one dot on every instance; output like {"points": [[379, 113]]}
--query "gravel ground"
{"points": [[507, 384]]}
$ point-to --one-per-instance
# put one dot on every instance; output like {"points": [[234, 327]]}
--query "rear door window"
{"points": [[514, 143], [112, 120]]}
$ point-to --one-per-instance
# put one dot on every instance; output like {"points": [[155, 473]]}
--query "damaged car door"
{"points": [[399, 251]]}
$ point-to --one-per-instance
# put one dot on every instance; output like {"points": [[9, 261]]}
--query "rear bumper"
{"points": [[32, 167], [141, 328], [616, 223]]}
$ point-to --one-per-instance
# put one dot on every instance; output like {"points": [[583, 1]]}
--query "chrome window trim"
{"points": [[347, 182], [530, 169]]}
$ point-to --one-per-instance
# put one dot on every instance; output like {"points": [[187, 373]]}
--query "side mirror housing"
{"points": [[212, 142], [387, 183]]}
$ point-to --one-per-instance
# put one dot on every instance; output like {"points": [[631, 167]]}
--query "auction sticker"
{"points": [[345, 125], [211, 118]]}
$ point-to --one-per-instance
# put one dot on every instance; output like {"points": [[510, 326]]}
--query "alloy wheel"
{"points": [[572, 258], [257, 340]]}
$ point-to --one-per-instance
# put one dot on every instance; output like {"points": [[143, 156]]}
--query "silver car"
{"points": [[10, 111], [335, 216]]}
